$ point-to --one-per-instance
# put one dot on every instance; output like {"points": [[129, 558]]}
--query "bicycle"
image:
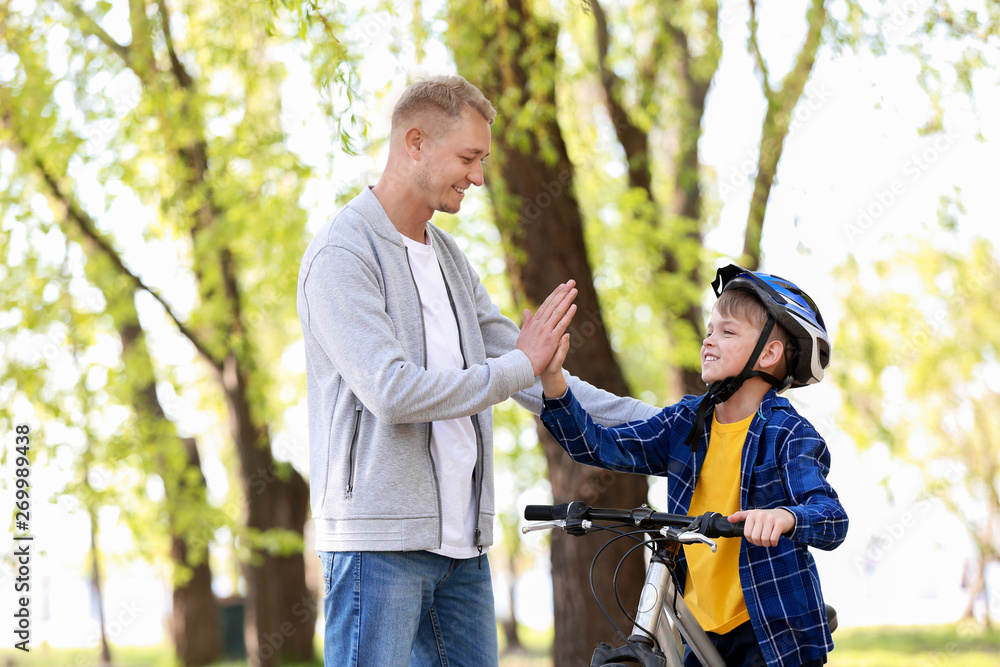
{"points": [[663, 623]]}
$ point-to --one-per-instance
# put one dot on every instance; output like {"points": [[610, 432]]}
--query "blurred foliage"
{"points": [[93, 135], [155, 215], [920, 362]]}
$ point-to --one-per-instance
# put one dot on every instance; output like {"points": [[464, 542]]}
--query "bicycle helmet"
{"points": [[794, 311], [786, 304]]}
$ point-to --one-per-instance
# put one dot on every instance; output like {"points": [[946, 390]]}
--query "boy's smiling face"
{"points": [[727, 346]]}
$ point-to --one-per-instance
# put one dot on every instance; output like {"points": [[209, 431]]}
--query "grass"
{"points": [[122, 656], [916, 646], [889, 646]]}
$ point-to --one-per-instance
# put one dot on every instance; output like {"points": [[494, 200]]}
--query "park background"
{"points": [[162, 166]]}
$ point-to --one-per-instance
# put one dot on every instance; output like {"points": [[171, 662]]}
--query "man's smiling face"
{"points": [[453, 162]]}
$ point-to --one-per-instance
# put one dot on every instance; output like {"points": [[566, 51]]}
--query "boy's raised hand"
{"points": [[553, 381]]}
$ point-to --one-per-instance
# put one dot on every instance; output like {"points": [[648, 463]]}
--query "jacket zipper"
{"points": [[477, 542], [353, 452]]}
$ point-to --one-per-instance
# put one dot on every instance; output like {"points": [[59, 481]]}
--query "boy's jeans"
{"points": [[392, 609]]}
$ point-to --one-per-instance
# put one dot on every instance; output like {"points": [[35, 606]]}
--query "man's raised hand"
{"points": [[541, 333]]}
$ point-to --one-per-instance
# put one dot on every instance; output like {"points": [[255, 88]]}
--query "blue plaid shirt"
{"points": [[784, 464]]}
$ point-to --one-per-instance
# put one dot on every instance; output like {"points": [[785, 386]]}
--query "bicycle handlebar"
{"points": [[710, 524]]}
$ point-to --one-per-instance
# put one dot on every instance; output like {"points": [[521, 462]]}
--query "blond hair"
{"points": [[439, 102]]}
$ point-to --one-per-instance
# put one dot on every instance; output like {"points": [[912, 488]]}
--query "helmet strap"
{"points": [[722, 390]]}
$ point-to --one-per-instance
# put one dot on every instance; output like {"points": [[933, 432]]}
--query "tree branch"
{"points": [[609, 80], [86, 225], [795, 81], [194, 155], [777, 123], [631, 137], [176, 66], [89, 26], [143, 55], [656, 58], [755, 49]]}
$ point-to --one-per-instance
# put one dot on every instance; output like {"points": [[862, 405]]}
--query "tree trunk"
{"points": [[195, 621], [542, 226], [195, 616], [976, 587], [509, 625], [281, 610], [777, 121], [685, 258], [95, 582], [554, 251], [690, 76], [195, 611]]}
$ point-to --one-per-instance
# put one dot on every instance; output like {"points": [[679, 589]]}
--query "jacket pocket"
{"points": [[767, 490], [353, 452]]}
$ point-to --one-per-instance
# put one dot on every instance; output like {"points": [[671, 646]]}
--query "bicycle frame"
{"points": [[662, 620], [663, 612], [662, 609]]}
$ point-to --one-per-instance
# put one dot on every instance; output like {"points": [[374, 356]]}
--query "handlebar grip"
{"points": [[556, 512], [719, 526], [540, 512]]}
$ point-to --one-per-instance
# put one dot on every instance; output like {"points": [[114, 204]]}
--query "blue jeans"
{"points": [[399, 608]]}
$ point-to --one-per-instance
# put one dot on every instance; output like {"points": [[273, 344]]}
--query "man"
{"points": [[405, 356]]}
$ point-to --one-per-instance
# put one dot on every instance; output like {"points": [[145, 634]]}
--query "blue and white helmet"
{"points": [[792, 309]]}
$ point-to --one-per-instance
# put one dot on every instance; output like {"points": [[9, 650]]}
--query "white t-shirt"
{"points": [[453, 441]]}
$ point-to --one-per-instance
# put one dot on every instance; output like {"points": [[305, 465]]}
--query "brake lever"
{"points": [[688, 537], [558, 523]]}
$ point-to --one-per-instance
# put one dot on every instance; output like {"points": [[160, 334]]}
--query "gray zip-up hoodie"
{"points": [[372, 401]]}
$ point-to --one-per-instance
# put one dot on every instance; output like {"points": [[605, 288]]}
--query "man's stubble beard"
{"points": [[423, 183]]}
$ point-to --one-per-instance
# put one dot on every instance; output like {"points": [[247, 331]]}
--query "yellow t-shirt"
{"points": [[713, 588]]}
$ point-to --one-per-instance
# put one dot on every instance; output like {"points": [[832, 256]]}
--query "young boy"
{"points": [[759, 598]]}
